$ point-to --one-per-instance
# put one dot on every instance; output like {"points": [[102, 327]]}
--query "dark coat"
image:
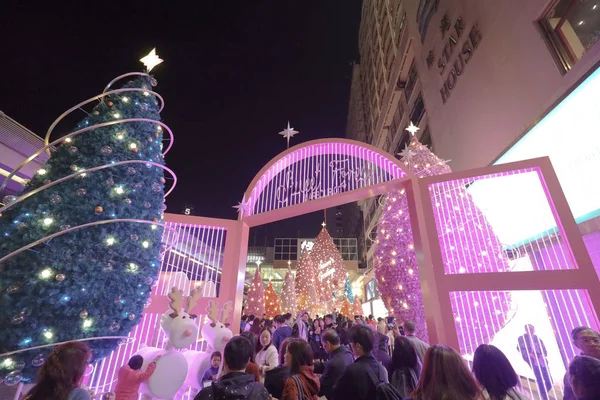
{"points": [[356, 383], [339, 359], [280, 334], [234, 386], [381, 354], [275, 380]]}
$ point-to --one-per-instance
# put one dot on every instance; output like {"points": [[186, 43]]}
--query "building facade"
{"points": [[479, 79], [16, 144]]}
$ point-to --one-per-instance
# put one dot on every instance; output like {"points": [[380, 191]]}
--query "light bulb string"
{"points": [[96, 223], [10, 353]]}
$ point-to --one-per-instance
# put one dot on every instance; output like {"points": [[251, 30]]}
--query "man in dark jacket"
{"points": [[282, 331], [356, 383], [339, 358], [235, 384]]}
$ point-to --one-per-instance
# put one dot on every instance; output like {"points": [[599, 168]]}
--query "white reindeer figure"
{"points": [[216, 333], [181, 330]]}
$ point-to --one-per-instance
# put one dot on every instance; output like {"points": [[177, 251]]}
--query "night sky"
{"points": [[234, 73]]}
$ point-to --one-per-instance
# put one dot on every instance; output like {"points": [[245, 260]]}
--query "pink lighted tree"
{"points": [[331, 271], [346, 309], [272, 304], [468, 244], [255, 303], [306, 276], [289, 303], [357, 307]]}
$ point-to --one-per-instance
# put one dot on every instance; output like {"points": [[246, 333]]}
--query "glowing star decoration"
{"points": [[242, 206], [151, 60], [288, 133], [413, 129], [465, 236]]}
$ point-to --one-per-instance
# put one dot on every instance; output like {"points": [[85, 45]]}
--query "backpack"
{"points": [[383, 390]]}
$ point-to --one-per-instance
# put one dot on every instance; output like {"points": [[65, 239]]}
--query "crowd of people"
{"points": [[337, 358]]}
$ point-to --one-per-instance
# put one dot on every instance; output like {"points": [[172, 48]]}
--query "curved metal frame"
{"points": [[10, 353], [78, 227], [85, 171], [89, 128]]}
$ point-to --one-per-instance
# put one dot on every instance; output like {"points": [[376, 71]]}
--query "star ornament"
{"points": [[242, 206], [151, 60], [412, 129], [406, 153], [288, 133]]}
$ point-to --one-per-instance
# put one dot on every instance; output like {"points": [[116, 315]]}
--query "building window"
{"points": [[411, 81], [418, 110], [426, 138], [571, 28]]}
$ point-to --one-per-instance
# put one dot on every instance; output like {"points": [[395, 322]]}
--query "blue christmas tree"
{"points": [[91, 282], [348, 291]]}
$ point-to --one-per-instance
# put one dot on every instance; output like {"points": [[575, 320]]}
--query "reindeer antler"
{"points": [[176, 303], [213, 312], [225, 314], [193, 298]]}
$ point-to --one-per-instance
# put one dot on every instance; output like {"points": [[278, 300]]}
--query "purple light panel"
{"points": [[553, 313], [317, 171], [197, 255]]}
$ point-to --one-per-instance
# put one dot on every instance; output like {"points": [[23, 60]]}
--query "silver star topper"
{"points": [[241, 207], [288, 133], [151, 60], [407, 152]]}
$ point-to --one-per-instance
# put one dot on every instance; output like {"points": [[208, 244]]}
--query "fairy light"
{"points": [[110, 240], [132, 146], [48, 334], [42, 171], [119, 190], [46, 273], [87, 323], [117, 115], [68, 140], [125, 99], [47, 221], [145, 244]]}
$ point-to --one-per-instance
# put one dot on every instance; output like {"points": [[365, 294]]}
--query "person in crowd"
{"points": [[339, 358], [257, 326], [264, 317], [356, 383], [419, 345], [275, 379], [328, 320], [588, 342], [380, 350], [266, 356], [405, 367], [382, 326], [302, 384], [243, 323], [495, 374], [60, 376], [215, 362], [344, 333], [445, 375], [301, 326], [584, 377], [235, 383], [249, 324], [252, 368], [289, 320], [282, 331], [371, 321], [314, 338], [131, 376], [534, 353]]}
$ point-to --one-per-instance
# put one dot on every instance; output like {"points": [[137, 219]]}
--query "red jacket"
{"points": [[128, 384]]}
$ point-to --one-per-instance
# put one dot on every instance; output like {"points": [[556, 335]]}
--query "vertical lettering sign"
{"points": [[452, 62], [319, 176]]}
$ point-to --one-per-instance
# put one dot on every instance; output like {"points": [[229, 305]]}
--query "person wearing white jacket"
{"points": [[267, 356]]}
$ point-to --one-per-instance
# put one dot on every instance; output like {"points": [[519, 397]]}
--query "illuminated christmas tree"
{"points": [[306, 276], [255, 302], [288, 295], [346, 309], [465, 232], [85, 221], [357, 306], [331, 271], [272, 304], [348, 291]]}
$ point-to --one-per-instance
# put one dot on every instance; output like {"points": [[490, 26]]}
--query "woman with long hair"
{"points": [[405, 367], [60, 376], [445, 376], [252, 368], [266, 357], [314, 338], [495, 374], [303, 384], [275, 379]]}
